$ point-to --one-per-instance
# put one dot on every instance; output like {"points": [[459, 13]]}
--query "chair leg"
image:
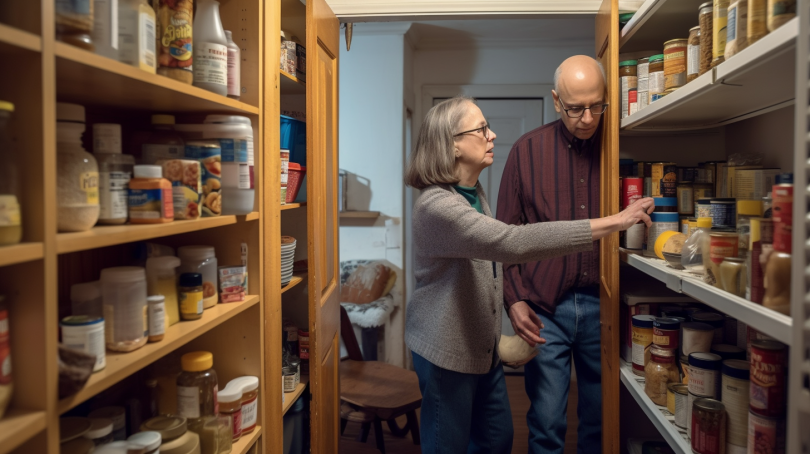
{"points": [[378, 434], [413, 425], [395, 429], [362, 437], [343, 423]]}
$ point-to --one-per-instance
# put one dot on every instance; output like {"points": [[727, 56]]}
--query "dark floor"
{"points": [[517, 400]]}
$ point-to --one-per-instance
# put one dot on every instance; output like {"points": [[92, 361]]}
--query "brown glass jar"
{"points": [[706, 18], [190, 296]]}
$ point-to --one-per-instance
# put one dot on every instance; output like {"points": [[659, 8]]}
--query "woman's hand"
{"points": [[526, 323], [638, 211]]}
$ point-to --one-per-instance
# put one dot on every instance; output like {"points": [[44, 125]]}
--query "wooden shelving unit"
{"points": [[17, 426], [292, 206], [291, 85], [296, 279], [245, 443], [20, 253], [290, 398], [11, 38]]}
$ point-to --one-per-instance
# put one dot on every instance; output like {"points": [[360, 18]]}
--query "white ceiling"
{"points": [[571, 30]]}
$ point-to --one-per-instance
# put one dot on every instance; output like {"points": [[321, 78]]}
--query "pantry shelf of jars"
{"points": [[125, 175], [700, 306]]}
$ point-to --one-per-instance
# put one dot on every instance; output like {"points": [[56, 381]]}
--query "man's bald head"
{"points": [[578, 70]]}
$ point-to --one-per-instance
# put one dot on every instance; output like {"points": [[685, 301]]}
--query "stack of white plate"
{"points": [[287, 259]]}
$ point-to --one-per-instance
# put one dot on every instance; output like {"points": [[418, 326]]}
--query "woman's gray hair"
{"points": [[433, 160]]}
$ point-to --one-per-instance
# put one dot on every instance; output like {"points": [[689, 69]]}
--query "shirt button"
{"points": [[585, 273], [582, 206], [489, 351], [569, 146], [581, 180]]}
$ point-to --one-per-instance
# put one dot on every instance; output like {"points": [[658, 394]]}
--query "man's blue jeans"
{"points": [[573, 331], [463, 412]]}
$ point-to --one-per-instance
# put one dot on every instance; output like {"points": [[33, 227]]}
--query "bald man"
{"points": [[552, 174]]}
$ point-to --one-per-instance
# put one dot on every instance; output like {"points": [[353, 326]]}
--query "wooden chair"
{"points": [[372, 392]]}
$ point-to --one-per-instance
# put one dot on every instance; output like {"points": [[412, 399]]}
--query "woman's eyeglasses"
{"points": [[484, 129], [578, 111]]}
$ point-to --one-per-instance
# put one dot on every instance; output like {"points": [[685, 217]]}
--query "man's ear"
{"points": [[557, 105]]}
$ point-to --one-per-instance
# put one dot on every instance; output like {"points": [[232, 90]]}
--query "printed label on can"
{"points": [[642, 340], [88, 182], [703, 382], [666, 338], [765, 435], [191, 303], [767, 396], [151, 203]]}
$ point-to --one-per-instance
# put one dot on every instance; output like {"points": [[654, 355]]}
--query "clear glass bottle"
{"points": [[210, 49], [692, 254], [10, 217], [164, 142], [197, 386], [77, 172], [115, 171]]}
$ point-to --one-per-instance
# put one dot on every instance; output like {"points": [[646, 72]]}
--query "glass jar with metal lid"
{"points": [[719, 32], [706, 19], [708, 426], [675, 63], [659, 372]]}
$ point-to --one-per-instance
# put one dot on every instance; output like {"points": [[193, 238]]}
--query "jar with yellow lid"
{"points": [[746, 209], [10, 219], [197, 386]]}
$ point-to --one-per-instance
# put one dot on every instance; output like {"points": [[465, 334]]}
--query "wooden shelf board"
{"points": [[290, 85], [290, 398], [89, 79], [19, 426], [359, 214], [101, 236], [243, 444], [730, 92], [20, 253], [13, 40], [254, 216], [296, 279], [292, 206], [121, 365], [774, 324], [657, 21]]}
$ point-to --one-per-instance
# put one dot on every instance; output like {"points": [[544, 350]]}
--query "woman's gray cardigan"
{"points": [[454, 315]]}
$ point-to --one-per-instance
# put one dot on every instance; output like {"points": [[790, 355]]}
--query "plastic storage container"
{"points": [[136, 34], [161, 279], [85, 299], [123, 290], [85, 333], [203, 260], [210, 49], [294, 138], [101, 431], [164, 142], [118, 417], [151, 199], [149, 440], [115, 171], [230, 405], [295, 179], [197, 386], [10, 219], [250, 396], [77, 172]]}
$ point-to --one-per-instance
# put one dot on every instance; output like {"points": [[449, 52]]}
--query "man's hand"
{"points": [[526, 323]]}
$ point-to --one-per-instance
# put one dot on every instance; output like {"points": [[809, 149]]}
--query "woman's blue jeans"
{"points": [[463, 412]]}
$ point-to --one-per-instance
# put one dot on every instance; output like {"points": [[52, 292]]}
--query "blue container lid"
{"points": [[784, 178], [705, 360], [666, 323], [737, 368], [664, 217], [666, 201], [643, 321]]}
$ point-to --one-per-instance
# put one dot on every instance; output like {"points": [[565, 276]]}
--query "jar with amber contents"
{"points": [[705, 18], [693, 54], [659, 372], [719, 31]]}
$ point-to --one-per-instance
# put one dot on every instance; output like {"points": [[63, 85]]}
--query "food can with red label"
{"points": [[768, 383], [708, 427], [782, 217], [664, 179], [765, 435], [632, 190]]}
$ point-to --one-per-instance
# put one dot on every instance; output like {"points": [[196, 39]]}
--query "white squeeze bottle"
{"points": [[210, 49], [136, 35]]}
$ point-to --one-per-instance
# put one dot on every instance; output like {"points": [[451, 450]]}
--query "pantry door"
{"points": [[607, 51], [322, 209]]}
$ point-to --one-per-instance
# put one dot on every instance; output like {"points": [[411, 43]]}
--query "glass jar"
{"points": [[225, 431], [164, 142], [10, 218], [161, 279], [197, 386], [288, 377], [115, 171], [746, 210], [207, 428], [706, 20], [757, 20], [74, 22], [693, 54], [692, 252], [77, 172], [642, 337], [628, 81], [250, 399], [655, 84], [230, 404], [719, 24], [659, 372], [203, 260], [123, 292], [190, 296]]}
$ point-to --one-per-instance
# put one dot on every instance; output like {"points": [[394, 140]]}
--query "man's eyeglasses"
{"points": [[484, 129], [578, 111]]}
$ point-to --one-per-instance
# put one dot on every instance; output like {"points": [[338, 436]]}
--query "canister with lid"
{"points": [[724, 212], [230, 404], [704, 374], [642, 329], [190, 296], [118, 417], [161, 279], [85, 333], [719, 24], [250, 395], [727, 351], [101, 431], [123, 290], [664, 179], [203, 260], [659, 372], [717, 321], [675, 63], [666, 332], [661, 222], [173, 430], [628, 81], [697, 337], [681, 396], [655, 83], [768, 378], [666, 205], [149, 440], [734, 391], [705, 13]]}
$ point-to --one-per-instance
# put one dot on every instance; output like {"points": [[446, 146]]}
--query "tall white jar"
{"points": [[123, 291], [203, 260], [210, 49], [77, 172]]}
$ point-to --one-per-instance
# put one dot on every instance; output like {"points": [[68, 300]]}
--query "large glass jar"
{"points": [[203, 260], [74, 22], [197, 386], [77, 172], [10, 218], [659, 372], [123, 291]]}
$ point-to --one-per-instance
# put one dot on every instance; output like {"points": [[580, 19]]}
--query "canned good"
{"points": [[675, 63], [686, 198], [642, 341], [628, 81], [85, 333], [666, 332], [708, 427], [703, 190], [632, 190], [681, 400], [664, 179], [717, 321], [734, 390], [704, 374], [783, 218], [724, 212], [655, 84], [671, 396], [766, 435], [661, 222], [634, 236], [703, 208], [768, 381]]}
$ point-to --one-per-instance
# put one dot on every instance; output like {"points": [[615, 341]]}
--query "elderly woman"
{"points": [[454, 317]]}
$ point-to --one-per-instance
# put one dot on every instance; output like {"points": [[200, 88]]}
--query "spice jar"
{"points": [[161, 279], [74, 23], [642, 332], [705, 16], [757, 20], [123, 290], [658, 373], [719, 24], [77, 172], [628, 80], [230, 404], [149, 440], [190, 296], [693, 54], [780, 12], [100, 431], [675, 63], [203, 260], [708, 427], [10, 219], [150, 196], [250, 400], [156, 310], [655, 84], [197, 386]]}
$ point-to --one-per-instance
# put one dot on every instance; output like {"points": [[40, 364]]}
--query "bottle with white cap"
{"points": [[77, 172], [115, 171]]}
